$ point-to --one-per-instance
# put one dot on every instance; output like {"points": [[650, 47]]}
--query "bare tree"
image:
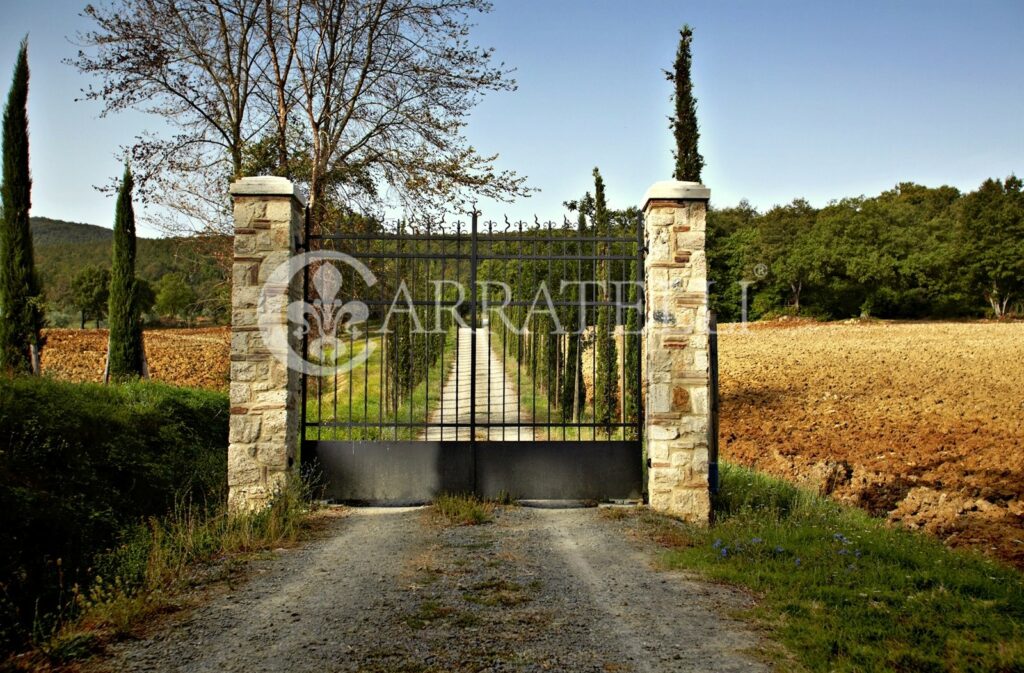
{"points": [[364, 101], [194, 64]]}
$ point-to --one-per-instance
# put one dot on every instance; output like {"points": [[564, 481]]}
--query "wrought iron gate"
{"points": [[447, 368]]}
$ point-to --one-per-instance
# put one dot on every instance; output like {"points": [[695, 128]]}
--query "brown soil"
{"points": [[185, 357], [921, 422]]}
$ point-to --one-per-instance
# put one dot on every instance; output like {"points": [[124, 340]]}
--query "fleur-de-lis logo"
{"points": [[329, 324], [326, 318]]}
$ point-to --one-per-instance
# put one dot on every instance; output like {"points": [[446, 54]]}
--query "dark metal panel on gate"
{"points": [[571, 470], [390, 473], [410, 472]]}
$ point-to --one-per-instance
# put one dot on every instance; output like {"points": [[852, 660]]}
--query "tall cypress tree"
{"points": [[683, 123], [631, 343], [573, 395], [124, 355], [607, 379], [21, 315]]}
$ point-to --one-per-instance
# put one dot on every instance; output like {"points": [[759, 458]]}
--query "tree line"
{"points": [[910, 252], [180, 280]]}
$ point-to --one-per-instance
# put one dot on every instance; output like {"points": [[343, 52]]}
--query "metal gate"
{"points": [[474, 357]]}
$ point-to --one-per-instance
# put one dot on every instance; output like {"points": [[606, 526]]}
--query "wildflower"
{"points": [[717, 544], [779, 550], [725, 552], [756, 540], [796, 561]]}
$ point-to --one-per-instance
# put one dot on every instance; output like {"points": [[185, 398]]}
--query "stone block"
{"points": [[244, 429]]}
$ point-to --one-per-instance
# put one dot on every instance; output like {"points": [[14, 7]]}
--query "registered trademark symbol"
{"points": [[761, 270]]}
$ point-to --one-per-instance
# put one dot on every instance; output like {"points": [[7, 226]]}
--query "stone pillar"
{"points": [[265, 393], [676, 373]]}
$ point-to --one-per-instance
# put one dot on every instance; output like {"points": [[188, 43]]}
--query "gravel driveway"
{"points": [[395, 590]]}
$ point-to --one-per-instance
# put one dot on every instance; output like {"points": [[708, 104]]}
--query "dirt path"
{"points": [[497, 402], [392, 590]]}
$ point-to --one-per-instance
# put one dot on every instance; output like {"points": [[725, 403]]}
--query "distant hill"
{"points": [[46, 231], [62, 249]]}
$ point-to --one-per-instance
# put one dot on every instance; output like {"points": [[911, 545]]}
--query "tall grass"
{"points": [[847, 592], [464, 509], [159, 558], [79, 465]]}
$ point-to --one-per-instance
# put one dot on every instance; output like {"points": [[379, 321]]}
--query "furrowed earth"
{"points": [[921, 422]]}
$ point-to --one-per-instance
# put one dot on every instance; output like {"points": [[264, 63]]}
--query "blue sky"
{"points": [[796, 99]]}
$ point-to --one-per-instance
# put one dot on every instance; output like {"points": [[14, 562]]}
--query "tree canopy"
{"points": [[909, 252], [362, 101]]}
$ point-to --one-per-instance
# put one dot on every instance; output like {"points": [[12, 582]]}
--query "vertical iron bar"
{"points": [[597, 336], [519, 343], [305, 336], [444, 335], [458, 328], [561, 337], [382, 392], [472, 342], [640, 319]]}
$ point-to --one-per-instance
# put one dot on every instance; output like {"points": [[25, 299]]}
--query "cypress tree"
{"points": [[573, 396], [689, 162], [124, 352], [21, 316], [631, 343], [606, 383]]}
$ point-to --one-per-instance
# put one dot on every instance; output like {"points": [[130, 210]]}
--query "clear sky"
{"points": [[796, 99]]}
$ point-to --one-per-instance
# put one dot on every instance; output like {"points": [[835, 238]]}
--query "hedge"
{"points": [[80, 466]]}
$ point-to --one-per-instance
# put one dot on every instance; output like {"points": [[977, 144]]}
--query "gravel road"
{"points": [[396, 590]]}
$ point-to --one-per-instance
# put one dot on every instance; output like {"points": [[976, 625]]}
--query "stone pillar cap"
{"points": [[676, 190], [267, 185]]}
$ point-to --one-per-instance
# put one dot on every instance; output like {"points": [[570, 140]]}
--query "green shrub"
{"points": [[80, 466]]}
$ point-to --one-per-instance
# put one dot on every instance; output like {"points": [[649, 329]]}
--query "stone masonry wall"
{"points": [[265, 392], [676, 377]]}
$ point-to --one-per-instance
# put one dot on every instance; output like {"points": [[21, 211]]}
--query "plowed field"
{"points": [[184, 357], [920, 422]]}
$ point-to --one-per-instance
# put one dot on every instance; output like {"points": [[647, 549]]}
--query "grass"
{"points": [[846, 592], [466, 510], [356, 397], [146, 574], [496, 592]]}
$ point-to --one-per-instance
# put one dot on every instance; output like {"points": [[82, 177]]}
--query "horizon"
{"points": [[796, 101]]}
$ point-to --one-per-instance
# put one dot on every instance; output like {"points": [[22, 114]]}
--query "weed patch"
{"points": [[497, 592], [464, 509]]}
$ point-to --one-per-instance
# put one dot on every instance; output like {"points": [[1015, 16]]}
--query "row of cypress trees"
{"points": [[554, 363], [21, 305]]}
